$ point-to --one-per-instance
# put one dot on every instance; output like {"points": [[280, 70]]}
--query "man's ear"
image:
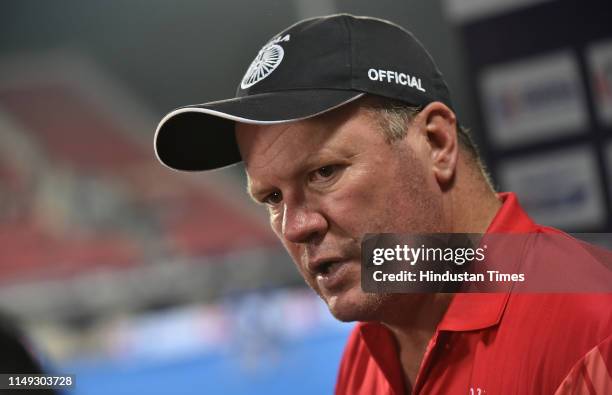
{"points": [[441, 132]]}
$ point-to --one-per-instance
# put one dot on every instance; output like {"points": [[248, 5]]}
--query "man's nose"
{"points": [[302, 224]]}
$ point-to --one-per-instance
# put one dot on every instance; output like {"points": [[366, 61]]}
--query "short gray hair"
{"points": [[394, 116]]}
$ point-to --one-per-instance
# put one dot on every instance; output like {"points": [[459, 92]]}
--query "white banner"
{"points": [[561, 188], [533, 100]]}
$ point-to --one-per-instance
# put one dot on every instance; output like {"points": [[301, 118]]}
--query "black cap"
{"points": [[307, 69]]}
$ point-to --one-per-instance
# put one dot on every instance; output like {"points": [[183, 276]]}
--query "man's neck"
{"points": [[471, 204], [470, 208]]}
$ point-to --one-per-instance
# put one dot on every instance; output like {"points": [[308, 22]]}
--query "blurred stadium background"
{"points": [[141, 280]]}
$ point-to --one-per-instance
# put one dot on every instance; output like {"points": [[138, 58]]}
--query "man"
{"points": [[346, 127]]}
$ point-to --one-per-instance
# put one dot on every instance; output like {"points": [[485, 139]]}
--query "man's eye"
{"points": [[273, 198], [323, 173]]}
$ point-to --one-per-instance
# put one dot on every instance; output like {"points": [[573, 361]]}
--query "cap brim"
{"points": [[201, 137]]}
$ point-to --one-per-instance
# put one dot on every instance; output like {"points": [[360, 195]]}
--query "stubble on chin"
{"points": [[367, 307]]}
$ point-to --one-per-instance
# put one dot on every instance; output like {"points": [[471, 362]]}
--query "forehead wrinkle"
{"points": [[268, 146], [308, 130]]}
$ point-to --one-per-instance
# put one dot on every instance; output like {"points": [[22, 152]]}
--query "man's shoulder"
{"points": [[564, 327], [591, 371], [578, 308], [557, 262], [575, 269]]}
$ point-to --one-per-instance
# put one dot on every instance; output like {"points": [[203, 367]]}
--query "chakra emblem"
{"points": [[268, 59]]}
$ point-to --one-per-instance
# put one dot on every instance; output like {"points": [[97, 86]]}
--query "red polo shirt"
{"points": [[499, 343]]}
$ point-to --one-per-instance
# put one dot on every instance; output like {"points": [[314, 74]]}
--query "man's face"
{"points": [[331, 179]]}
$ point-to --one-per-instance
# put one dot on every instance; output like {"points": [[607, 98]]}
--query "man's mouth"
{"points": [[328, 267], [331, 274], [323, 266]]}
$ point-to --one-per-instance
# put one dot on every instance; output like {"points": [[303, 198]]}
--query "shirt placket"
{"points": [[425, 364]]}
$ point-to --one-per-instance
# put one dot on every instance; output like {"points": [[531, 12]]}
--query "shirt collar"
{"points": [[478, 311], [381, 345], [511, 218]]}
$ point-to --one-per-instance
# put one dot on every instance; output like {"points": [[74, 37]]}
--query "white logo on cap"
{"points": [[266, 61], [395, 77]]}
